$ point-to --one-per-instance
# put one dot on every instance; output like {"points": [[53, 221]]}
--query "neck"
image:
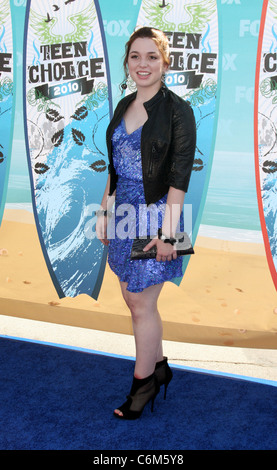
{"points": [[145, 94]]}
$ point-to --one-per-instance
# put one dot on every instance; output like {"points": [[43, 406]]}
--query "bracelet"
{"points": [[165, 239], [103, 212]]}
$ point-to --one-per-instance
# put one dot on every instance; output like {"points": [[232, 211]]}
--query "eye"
{"points": [[153, 57], [133, 56]]}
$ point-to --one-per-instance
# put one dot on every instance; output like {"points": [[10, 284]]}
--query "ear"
{"points": [[165, 68]]}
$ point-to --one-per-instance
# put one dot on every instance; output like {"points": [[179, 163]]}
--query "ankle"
{"points": [[161, 362], [139, 382]]}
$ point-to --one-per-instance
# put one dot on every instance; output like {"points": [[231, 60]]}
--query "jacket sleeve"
{"points": [[183, 147]]}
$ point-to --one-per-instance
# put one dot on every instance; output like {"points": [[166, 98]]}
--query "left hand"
{"points": [[165, 251]]}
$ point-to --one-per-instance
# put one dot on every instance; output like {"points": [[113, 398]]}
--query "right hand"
{"points": [[165, 251], [101, 229]]}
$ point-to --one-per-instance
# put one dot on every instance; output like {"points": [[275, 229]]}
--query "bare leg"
{"points": [[147, 328]]}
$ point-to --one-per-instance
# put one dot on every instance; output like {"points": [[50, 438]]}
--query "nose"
{"points": [[143, 62]]}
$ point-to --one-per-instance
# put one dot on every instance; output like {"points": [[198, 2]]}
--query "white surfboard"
{"points": [[192, 30], [266, 132], [6, 98], [67, 111]]}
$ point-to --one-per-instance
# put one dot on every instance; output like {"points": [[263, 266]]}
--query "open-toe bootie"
{"points": [[142, 392], [163, 374]]}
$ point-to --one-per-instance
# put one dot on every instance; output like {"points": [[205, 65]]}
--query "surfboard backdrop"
{"points": [[192, 30], [67, 110], [266, 131], [6, 98]]}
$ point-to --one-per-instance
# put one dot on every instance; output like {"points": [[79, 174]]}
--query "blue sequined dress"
{"points": [[133, 218]]}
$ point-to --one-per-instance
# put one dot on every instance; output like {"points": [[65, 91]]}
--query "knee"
{"points": [[136, 307]]}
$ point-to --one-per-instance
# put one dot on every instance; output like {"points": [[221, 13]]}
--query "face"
{"points": [[145, 63]]}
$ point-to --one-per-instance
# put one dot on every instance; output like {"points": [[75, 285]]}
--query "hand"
{"points": [[101, 229], [165, 251]]}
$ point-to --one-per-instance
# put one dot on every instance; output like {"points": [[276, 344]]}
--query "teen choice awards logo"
{"points": [[65, 75], [6, 94], [67, 113], [191, 28]]}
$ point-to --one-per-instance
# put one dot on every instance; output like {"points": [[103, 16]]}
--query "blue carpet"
{"points": [[57, 398]]}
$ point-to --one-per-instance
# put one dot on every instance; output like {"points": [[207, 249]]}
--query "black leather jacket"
{"points": [[168, 141]]}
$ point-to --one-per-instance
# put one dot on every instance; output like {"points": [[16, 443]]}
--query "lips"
{"points": [[198, 164], [143, 74], [99, 166], [269, 166]]}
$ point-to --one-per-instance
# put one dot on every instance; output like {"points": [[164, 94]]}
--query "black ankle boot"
{"points": [[142, 391], [163, 373]]}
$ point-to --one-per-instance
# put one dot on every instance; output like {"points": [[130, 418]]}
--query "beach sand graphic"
{"points": [[226, 298]]}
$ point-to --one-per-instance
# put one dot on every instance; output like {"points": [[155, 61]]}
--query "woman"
{"points": [[151, 145]]}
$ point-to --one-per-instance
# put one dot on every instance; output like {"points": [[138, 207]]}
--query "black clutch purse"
{"points": [[183, 247]]}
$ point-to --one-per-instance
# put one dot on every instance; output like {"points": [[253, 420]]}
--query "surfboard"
{"points": [[265, 132], [6, 99], [192, 30], [66, 113]]}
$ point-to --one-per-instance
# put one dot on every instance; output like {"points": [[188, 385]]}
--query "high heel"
{"points": [[142, 391], [164, 374]]}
